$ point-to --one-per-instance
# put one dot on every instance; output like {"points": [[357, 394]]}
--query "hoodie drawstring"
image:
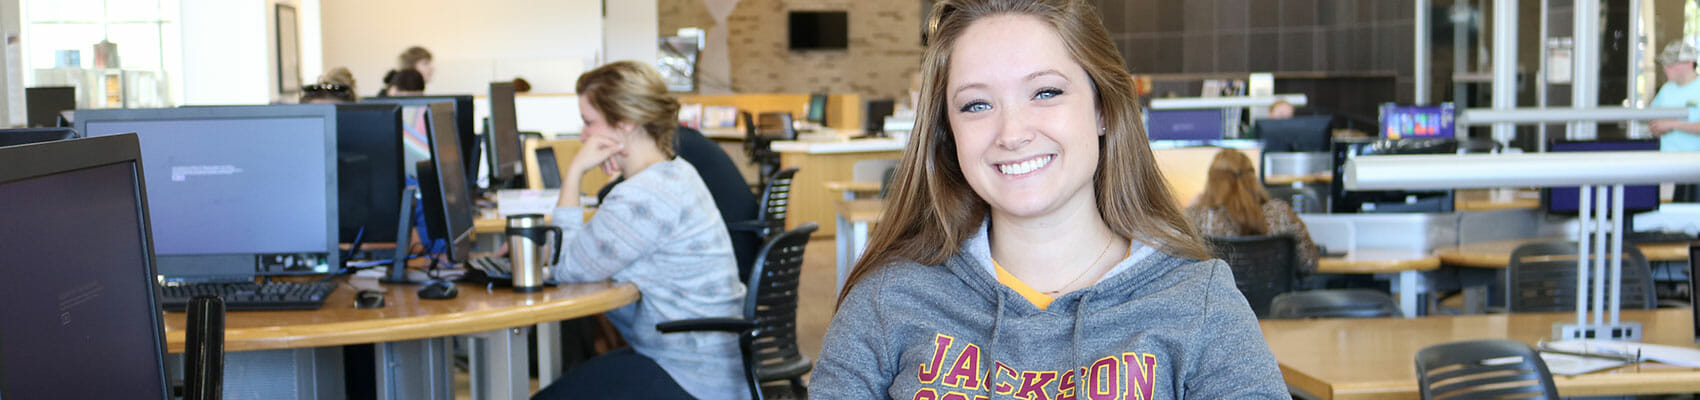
{"points": [[1074, 350], [986, 355]]}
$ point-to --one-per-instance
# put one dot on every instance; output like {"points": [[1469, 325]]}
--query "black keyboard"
{"points": [[241, 296], [1657, 237], [493, 267]]}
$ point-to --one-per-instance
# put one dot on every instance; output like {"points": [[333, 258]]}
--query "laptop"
{"points": [[82, 319]]}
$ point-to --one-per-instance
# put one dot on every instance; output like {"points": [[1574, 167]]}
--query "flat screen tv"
{"points": [[820, 30]]}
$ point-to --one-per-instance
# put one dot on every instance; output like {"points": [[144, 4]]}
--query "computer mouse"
{"points": [[438, 290], [369, 298]]}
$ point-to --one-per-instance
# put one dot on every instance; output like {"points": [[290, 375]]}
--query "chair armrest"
{"points": [[735, 325], [753, 226]]}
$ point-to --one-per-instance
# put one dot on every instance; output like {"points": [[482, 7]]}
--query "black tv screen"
{"points": [[820, 30]]}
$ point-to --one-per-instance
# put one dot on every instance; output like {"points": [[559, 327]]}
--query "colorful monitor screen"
{"points": [[1407, 122]]}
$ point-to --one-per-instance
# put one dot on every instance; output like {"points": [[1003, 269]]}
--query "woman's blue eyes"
{"points": [[979, 106]]}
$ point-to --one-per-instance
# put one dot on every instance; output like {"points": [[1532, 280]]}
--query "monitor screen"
{"points": [[14, 137], [463, 125], [236, 191], [1424, 122], [44, 104], [1184, 124], [1308, 133], [820, 30], [370, 176], [455, 200], [1635, 198], [505, 160], [79, 292], [817, 108], [875, 113]]}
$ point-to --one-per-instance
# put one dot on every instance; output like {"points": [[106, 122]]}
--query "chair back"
{"points": [[772, 303], [776, 126], [776, 201], [1303, 199], [1333, 303], [1542, 278], [1483, 369], [1264, 266]]}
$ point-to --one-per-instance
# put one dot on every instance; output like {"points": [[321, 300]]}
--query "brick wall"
{"points": [[885, 46]]}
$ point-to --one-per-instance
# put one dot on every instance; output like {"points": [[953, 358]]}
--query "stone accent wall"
{"points": [[885, 46]]}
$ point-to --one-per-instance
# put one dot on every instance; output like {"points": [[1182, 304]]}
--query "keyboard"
{"points": [[1657, 237], [493, 267], [240, 296]]}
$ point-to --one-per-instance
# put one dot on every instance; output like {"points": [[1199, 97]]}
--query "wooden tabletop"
{"points": [[406, 317], [1378, 261], [861, 210], [1374, 358], [1497, 254], [853, 186], [1320, 177], [1486, 200]]}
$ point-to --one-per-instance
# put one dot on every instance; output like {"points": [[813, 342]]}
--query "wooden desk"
{"points": [[1374, 358], [412, 337], [1403, 269], [853, 218], [1497, 254], [811, 200], [1482, 200]]}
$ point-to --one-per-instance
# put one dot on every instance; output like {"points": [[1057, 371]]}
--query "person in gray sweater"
{"points": [[1030, 248], [659, 230]]}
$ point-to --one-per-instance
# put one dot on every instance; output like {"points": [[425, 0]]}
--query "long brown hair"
{"points": [[1233, 186], [633, 92], [931, 209]]}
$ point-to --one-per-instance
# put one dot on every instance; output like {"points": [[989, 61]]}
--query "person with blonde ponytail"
{"points": [[1235, 204], [1029, 246]]}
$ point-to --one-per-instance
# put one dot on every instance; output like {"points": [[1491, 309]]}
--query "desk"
{"points": [[826, 161], [853, 219], [1497, 254], [1404, 269], [415, 331], [1374, 358]]}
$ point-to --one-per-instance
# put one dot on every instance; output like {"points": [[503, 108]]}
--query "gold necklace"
{"points": [[1089, 268]]}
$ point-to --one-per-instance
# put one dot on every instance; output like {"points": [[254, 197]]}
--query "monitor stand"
{"points": [[403, 239]]}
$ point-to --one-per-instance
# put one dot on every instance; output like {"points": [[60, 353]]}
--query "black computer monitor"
{"points": [[79, 291], [873, 122], [236, 191], [1183, 124], [1694, 286], [1301, 134], [1387, 201], [506, 165], [1564, 200], [447, 201], [43, 104], [817, 109], [463, 124], [14, 137], [1417, 122], [370, 174]]}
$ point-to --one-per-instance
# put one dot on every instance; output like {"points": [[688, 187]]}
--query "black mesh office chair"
{"points": [[768, 329], [775, 205], [1483, 369], [1264, 266], [759, 137], [1542, 278], [1334, 303]]}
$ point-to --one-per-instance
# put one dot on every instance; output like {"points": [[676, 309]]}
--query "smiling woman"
{"points": [[1030, 247]]}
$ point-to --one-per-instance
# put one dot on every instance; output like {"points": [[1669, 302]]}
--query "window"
{"points": [[60, 38]]}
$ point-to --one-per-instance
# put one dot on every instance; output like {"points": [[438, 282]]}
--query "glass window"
{"points": [[59, 38]]}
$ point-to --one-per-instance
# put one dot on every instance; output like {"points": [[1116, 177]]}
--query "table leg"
{"points": [[305, 374], [499, 369], [1409, 284], [845, 260], [415, 369], [548, 352], [858, 243]]}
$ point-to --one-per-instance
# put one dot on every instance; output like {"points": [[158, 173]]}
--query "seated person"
{"points": [[335, 86], [731, 193], [1235, 204], [660, 231]]}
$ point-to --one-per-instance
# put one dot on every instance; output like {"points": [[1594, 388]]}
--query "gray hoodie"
{"points": [[1155, 327]]}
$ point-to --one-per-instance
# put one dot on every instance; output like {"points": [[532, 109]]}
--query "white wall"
{"points": [[548, 42], [225, 52], [632, 31]]}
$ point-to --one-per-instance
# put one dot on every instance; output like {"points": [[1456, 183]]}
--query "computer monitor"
{"points": [[1301, 134], [1417, 122], [80, 297], [463, 124], [43, 104], [370, 174], [447, 201], [817, 109], [1184, 124], [506, 164], [874, 114], [1387, 201], [14, 137], [236, 191], [1694, 286], [1635, 198]]}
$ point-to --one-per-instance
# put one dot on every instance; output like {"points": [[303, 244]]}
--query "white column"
{"points": [[1420, 68], [1584, 85], [1504, 65]]}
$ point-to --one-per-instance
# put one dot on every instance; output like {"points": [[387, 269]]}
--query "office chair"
{"points": [[769, 126], [1334, 303], [775, 205], [768, 329], [1302, 199], [1483, 369], [1542, 278], [1263, 266]]}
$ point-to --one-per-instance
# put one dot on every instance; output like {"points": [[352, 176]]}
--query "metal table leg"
{"points": [[549, 352], [499, 369], [415, 369]]}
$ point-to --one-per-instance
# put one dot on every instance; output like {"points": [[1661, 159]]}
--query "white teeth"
{"points": [[1024, 166]]}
